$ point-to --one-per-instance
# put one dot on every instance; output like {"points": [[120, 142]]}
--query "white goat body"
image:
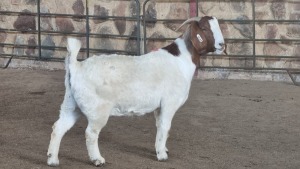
{"points": [[117, 85], [132, 85]]}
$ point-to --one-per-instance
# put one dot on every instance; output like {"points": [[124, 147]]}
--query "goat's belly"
{"points": [[137, 109], [129, 112]]}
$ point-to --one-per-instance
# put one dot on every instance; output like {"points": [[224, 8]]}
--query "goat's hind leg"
{"points": [[67, 118], [97, 119]]}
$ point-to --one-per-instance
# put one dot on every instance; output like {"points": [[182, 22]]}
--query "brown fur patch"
{"points": [[173, 49], [205, 27]]}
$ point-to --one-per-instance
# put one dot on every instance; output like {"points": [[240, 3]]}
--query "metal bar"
{"points": [[87, 31], [193, 10], [292, 78], [60, 48], [254, 34], [92, 50], [68, 33], [248, 68], [138, 38], [67, 15], [17, 13], [8, 62], [144, 26], [197, 7], [230, 20], [250, 40], [133, 18], [39, 29], [257, 56]]}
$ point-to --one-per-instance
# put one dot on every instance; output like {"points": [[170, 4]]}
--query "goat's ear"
{"points": [[197, 38]]}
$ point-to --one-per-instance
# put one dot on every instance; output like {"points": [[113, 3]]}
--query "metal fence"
{"points": [[87, 34], [142, 38]]}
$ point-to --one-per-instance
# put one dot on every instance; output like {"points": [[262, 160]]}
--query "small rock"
{"points": [[78, 9], [238, 6], [120, 23], [25, 22], [104, 43], [31, 2], [177, 12], [245, 29], [3, 36], [155, 44], [64, 24], [31, 50], [278, 9], [272, 49], [46, 23], [131, 45], [133, 8], [100, 11], [293, 31], [271, 31], [150, 13], [19, 51], [47, 53]]}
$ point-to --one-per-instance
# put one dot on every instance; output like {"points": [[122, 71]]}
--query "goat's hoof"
{"points": [[99, 162], [53, 162], [162, 156]]}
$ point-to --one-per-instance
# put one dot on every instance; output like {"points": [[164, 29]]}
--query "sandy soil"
{"points": [[225, 124]]}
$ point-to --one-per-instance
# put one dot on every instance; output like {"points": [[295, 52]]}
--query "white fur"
{"points": [[219, 39], [119, 85]]}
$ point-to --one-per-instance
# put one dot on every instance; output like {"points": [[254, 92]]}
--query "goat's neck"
{"points": [[187, 40]]}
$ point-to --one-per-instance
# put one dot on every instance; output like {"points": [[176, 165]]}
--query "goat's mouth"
{"points": [[221, 50]]}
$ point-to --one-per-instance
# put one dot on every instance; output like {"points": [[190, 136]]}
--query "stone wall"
{"points": [[224, 9]]}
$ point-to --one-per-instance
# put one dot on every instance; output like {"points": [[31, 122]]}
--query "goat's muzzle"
{"points": [[222, 49]]}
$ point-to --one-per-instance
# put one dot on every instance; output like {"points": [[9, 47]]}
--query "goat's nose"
{"points": [[221, 44]]}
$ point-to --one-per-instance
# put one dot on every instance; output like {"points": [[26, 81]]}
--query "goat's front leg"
{"points": [[95, 123], [163, 124], [158, 134], [68, 117]]}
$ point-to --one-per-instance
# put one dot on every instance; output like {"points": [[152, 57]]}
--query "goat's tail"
{"points": [[74, 46], [71, 60]]}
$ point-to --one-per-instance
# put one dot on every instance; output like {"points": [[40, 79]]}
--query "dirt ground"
{"points": [[225, 124]]}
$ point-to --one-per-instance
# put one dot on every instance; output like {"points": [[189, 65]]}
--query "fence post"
{"points": [[39, 29], [193, 8]]}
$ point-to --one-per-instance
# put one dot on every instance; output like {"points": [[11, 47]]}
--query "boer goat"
{"points": [[119, 85]]}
